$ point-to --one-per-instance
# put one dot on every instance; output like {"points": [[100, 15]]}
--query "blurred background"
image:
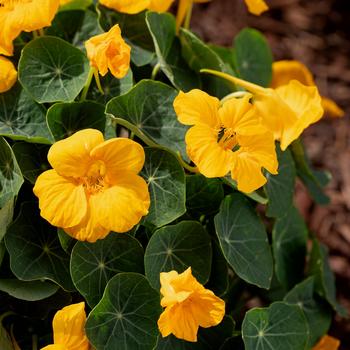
{"points": [[317, 33]]}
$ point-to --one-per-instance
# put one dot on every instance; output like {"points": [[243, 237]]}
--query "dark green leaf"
{"points": [[324, 276], [67, 242], [31, 158], [203, 195], [51, 70], [29, 291], [289, 238], [253, 57], [280, 326], [5, 339], [177, 247], [149, 106], [126, 317], [94, 264], [280, 188], [243, 240], [6, 215], [11, 178], [21, 118], [34, 249], [163, 30], [208, 338], [64, 119], [318, 315], [166, 183]]}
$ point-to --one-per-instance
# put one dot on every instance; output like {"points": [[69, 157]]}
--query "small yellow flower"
{"points": [[256, 7], [136, 6], [285, 71], [93, 187], [286, 110], [23, 15], [8, 74], [109, 51], [327, 343], [226, 138], [68, 329], [188, 305]]}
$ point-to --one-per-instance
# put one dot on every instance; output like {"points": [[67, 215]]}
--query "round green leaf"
{"points": [[94, 264], [126, 317], [176, 247], [29, 291], [21, 118], [6, 216], [64, 119], [280, 326], [289, 238], [317, 313], [51, 70], [253, 57], [166, 183], [243, 240], [149, 106], [11, 178], [34, 249]]}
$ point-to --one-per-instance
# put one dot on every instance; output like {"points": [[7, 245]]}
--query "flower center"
{"points": [[94, 181], [227, 139]]}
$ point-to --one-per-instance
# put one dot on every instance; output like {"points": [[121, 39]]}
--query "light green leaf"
{"points": [[177, 247], [289, 238], [163, 30], [51, 70], [317, 313], [21, 118], [32, 159], [280, 187], [126, 317], [280, 326], [11, 178], [324, 276], [149, 106], [29, 291], [64, 119], [166, 183], [94, 264], [35, 251], [243, 240], [253, 57], [76, 5]]}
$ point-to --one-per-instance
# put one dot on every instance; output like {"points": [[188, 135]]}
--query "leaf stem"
{"points": [[87, 85], [155, 71], [41, 32], [35, 342], [98, 82], [187, 23]]}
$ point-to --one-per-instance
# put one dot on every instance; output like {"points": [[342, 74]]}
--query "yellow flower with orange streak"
{"points": [[68, 329], [109, 51], [8, 74], [188, 306], [22, 15], [285, 71], [327, 343], [227, 138], [94, 187]]}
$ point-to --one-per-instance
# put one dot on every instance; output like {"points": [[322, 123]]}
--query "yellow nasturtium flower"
{"points": [[285, 71], [23, 15], [109, 51], [93, 187], [227, 138], [327, 343], [256, 7], [188, 305], [8, 74], [68, 329], [136, 6]]}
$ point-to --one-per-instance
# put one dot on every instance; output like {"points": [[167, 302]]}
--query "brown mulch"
{"points": [[316, 32]]}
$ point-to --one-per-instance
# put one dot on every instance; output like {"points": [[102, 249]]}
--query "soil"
{"points": [[315, 32]]}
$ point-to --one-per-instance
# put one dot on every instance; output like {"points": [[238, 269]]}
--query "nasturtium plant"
{"points": [[147, 183]]}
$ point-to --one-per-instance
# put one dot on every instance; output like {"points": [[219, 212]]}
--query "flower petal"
{"points": [[120, 207], [331, 108], [61, 201], [327, 343], [126, 6], [71, 156], [256, 7], [55, 347], [197, 107], [8, 74], [203, 149], [160, 5], [69, 327]]}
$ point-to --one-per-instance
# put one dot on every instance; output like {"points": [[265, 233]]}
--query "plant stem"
{"points": [[87, 85], [236, 94], [187, 23], [41, 32], [155, 71], [98, 82], [35, 342]]}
